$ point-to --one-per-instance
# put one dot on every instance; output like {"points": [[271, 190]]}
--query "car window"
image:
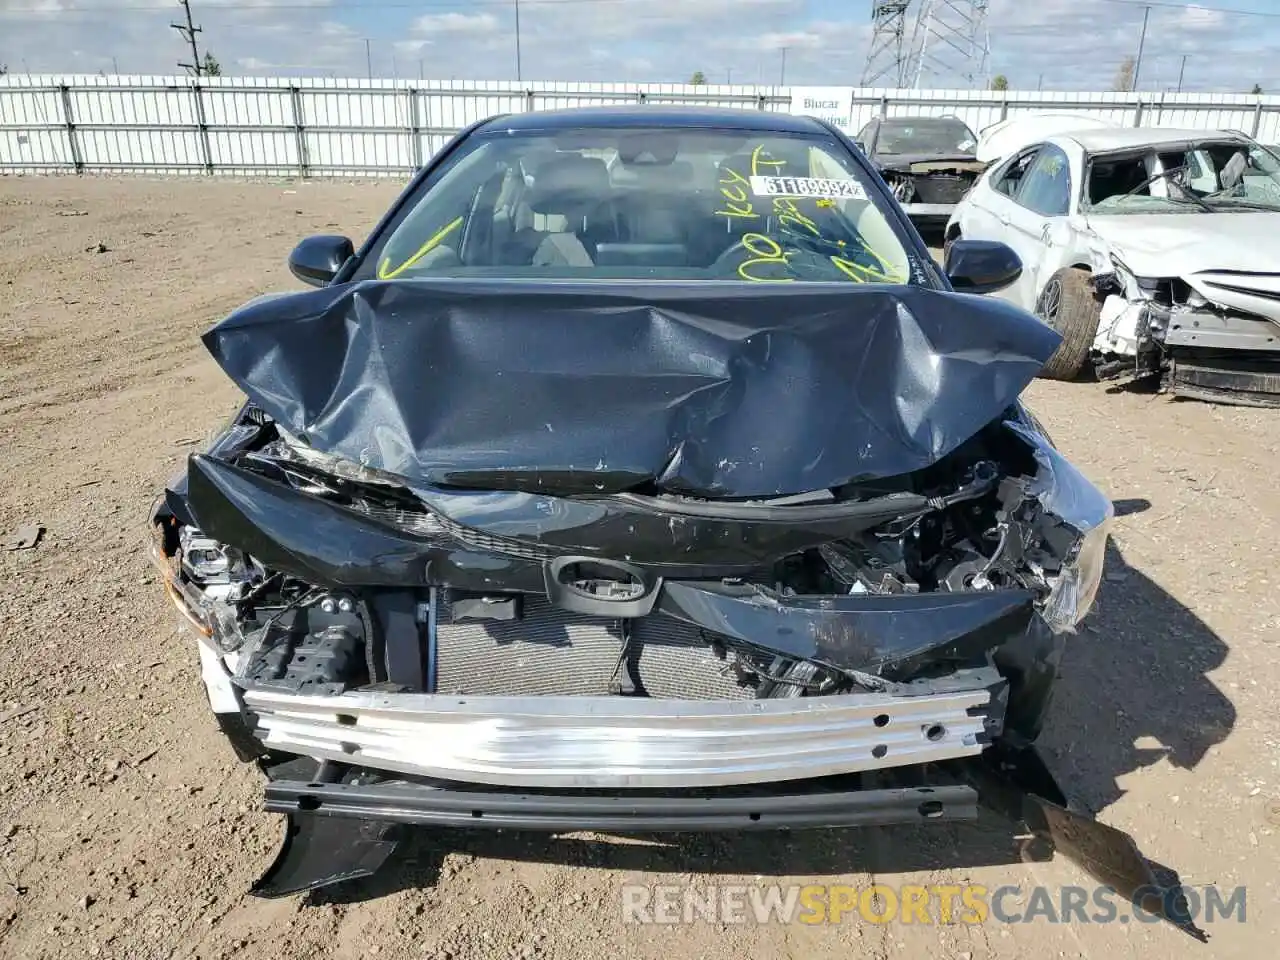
{"points": [[1008, 179], [944, 135], [1215, 174], [867, 134], [608, 203], [1046, 187]]}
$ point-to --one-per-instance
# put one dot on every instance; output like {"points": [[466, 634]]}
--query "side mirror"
{"points": [[981, 266], [316, 260]]}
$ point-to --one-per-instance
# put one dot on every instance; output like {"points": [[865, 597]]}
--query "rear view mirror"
{"points": [[981, 266], [316, 260]]}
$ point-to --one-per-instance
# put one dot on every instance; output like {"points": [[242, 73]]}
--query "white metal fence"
{"points": [[266, 126]]}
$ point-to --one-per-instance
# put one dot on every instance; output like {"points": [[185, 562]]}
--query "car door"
{"points": [[1032, 219], [987, 212]]}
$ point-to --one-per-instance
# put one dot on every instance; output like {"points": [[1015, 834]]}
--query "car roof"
{"points": [[656, 116], [918, 117], [1105, 139]]}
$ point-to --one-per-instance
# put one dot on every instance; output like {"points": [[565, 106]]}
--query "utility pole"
{"points": [[1142, 39], [368, 59], [1181, 70], [518, 73], [782, 74], [189, 31]]}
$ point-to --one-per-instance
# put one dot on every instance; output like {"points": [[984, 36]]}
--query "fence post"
{"points": [[1137, 113], [884, 105], [1257, 118], [415, 141], [202, 125], [528, 101], [1004, 104], [76, 157], [299, 131], [641, 97]]}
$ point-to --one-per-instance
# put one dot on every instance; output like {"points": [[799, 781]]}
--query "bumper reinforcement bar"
{"points": [[623, 742]]}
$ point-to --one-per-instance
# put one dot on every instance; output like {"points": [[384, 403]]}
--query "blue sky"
{"points": [[1060, 44]]}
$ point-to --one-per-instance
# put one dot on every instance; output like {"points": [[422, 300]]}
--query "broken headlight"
{"points": [[1082, 515], [1076, 586]]}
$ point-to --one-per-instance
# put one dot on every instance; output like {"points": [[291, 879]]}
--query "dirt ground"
{"points": [[128, 829]]}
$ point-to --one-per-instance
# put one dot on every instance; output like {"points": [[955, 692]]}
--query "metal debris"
{"points": [[24, 538]]}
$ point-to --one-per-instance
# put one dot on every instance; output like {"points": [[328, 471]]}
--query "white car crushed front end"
{"points": [[1201, 295]]}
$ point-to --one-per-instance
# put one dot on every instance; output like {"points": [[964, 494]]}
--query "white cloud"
{"points": [[464, 24], [1200, 17], [1074, 44]]}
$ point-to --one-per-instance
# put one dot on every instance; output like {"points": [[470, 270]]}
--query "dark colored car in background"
{"points": [[928, 162], [641, 471]]}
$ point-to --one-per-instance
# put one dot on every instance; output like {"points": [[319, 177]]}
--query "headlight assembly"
{"points": [[1080, 507], [1076, 586]]}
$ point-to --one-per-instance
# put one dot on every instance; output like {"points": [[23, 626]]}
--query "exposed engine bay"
{"points": [[942, 181], [739, 589], [483, 616]]}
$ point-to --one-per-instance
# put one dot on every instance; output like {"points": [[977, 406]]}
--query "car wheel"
{"points": [[1069, 305]]}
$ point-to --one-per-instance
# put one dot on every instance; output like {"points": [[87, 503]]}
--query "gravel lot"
{"points": [[127, 828]]}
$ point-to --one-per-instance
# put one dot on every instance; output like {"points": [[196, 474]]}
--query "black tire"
{"points": [[1069, 305]]}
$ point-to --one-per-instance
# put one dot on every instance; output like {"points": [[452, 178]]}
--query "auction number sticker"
{"points": [[800, 187]]}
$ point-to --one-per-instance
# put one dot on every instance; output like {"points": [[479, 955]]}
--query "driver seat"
{"points": [[566, 192]]}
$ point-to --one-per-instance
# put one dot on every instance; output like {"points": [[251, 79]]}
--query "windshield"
{"points": [[925, 135], [632, 204], [1207, 177]]}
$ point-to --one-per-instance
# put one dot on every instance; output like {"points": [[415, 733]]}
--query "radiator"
{"points": [[549, 651]]}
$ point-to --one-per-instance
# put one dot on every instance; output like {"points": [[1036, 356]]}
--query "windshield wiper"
{"points": [[1192, 199], [1189, 196]]}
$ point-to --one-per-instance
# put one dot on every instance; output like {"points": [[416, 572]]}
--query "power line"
{"points": [[456, 4], [189, 31]]}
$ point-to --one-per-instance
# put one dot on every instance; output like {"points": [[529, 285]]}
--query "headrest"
{"points": [[568, 183]]}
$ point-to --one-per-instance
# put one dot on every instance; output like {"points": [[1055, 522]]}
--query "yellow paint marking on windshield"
{"points": [[738, 204], [856, 271], [387, 274], [789, 214], [763, 250], [757, 163]]}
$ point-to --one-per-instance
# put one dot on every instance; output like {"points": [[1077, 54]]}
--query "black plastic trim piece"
{"points": [[429, 805], [568, 597]]}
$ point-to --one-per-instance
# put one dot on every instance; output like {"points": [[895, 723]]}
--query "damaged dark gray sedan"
{"points": [[640, 472]]}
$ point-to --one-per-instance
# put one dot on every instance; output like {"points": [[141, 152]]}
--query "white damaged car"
{"points": [[1154, 252]]}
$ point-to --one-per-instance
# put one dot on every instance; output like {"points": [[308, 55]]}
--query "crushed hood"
{"points": [[703, 389], [1229, 258], [1180, 244]]}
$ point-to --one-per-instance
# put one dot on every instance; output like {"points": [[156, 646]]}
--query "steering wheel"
{"points": [[729, 261]]}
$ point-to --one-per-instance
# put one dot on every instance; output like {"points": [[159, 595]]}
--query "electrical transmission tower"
{"points": [[189, 31], [884, 60], [950, 45]]}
